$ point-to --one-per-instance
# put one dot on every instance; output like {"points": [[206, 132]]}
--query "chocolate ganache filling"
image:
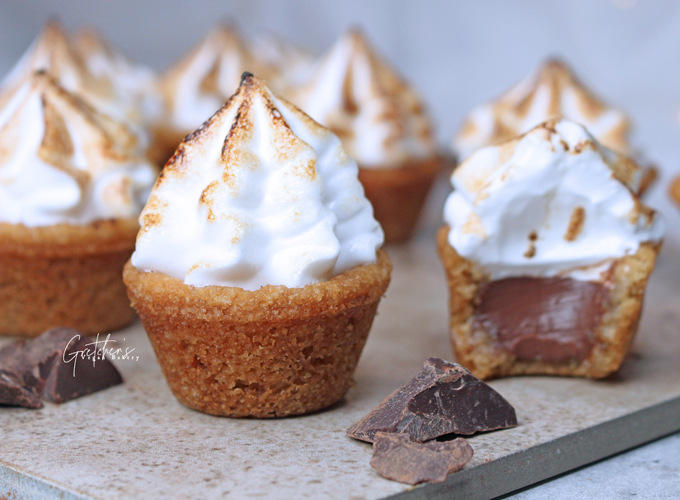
{"points": [[548, 319]]}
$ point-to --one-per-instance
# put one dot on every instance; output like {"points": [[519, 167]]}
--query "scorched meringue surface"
{"points": [[550, 203], [133, 81], [259, 195], [553, 91], [199, 84], [379, 118], [54, 52], [63, 162]]}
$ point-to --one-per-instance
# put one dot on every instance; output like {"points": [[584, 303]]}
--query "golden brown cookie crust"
{"points": [[65, 275], [476, 350], [272, 352], [398, 194]]}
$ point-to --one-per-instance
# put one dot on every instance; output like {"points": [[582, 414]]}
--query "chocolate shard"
{"points": [[32, 359], [398, 458], [64, 381], [444, 398], [44, 366], [13, 391]]}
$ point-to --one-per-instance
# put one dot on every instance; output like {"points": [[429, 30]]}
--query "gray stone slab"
{"points": [[651, 472], [137, 441]]}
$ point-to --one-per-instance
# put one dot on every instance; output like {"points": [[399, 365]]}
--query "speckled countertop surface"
{"points": [[137, 441]]}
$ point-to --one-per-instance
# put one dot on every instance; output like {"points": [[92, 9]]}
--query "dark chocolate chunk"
{"points": [[33, 359], [13, 391], [398, 458], [547, 319], [444, 398], [44, 366], [63, 382]]}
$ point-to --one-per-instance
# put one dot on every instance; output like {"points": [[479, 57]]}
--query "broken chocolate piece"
{"points": [[444, 398], [548, 319], [64, 383], [398, 458], [33, 359], [44, 367], [13, 392]]}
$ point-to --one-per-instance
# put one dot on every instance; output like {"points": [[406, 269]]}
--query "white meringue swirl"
{"points": [[551, 202], [259, 195], [61, 162]]}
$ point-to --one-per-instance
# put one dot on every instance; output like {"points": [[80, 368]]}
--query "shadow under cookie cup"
{"points": [[65, 275], [477, 350], [272, 352], [398, 194]]}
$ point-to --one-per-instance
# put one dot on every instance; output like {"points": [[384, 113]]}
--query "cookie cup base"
{"points": [[65, 275], [398, 194], [272, 352], [478, 351]]}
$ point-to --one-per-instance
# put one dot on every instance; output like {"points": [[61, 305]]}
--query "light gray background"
{"points": [[457, 54]]}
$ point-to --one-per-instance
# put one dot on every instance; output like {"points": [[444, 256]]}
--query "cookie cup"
{"points": [[65, 275], [399, 193], [272, 352], [164, 142], [478, 351]]}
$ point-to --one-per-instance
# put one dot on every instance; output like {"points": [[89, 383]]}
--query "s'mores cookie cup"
{"points": [[53, 51], [199, 83], [547, 252], [257, 271], [383, 124], [552, 91], [71, 189]]}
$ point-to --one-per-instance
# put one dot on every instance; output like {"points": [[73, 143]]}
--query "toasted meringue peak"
{"points": [[552, 92], [379, 118], [259, 195], [63, 162], [293, 63], [551, 202], [199, 84], [53, 51], [133, 80]]}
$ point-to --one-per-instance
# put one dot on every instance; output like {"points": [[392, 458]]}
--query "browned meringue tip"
{"points": [[54, 51], [228, 54], [356, 33], [245, 77], [53, 38], [624, 167], [242, 126], [89, 40], [360, 42], [222, 36], [54, 28], [65, 114], [511, 111], [675, 190], [384, 98], [556, 64]]}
